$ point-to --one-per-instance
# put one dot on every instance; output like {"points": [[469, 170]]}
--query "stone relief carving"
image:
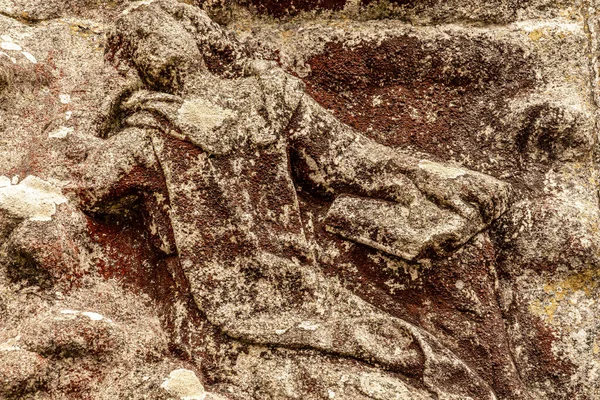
{"points": [[229, 219], [213, 167]]}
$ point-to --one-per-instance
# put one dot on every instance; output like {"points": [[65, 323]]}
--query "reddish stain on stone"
{"points": [[280, 8], [426, 95]]}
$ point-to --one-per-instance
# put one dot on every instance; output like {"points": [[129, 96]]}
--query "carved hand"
{"points": [[146, 109], [475, 196]]}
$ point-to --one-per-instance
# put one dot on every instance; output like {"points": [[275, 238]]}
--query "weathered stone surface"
{"points": [[22, 372], [299, 199]]}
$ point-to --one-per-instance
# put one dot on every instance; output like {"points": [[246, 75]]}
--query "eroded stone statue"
{"points": [[209, 145], [187, 220]]}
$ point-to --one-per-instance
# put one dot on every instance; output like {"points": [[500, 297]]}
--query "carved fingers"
{"points": [[160, 105], [146, 109], [476, 197], [490, 196]]}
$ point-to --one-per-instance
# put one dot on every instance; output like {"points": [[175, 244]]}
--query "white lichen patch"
{"points": [[32, 198], [10, 46], [29, 56], [308, 326], [93, 316], [12, 59], [199, 119], [203, 114], [10, 344], [60, 133], [64, 98], [68, 315], [184, 384], [72, 314], [549, 25], [377, 101], [441, 170], [8, 43]]}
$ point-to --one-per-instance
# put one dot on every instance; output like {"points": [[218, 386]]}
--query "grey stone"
{"points": [[317, 200]]}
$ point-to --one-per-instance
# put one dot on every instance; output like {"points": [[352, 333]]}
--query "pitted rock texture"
{"points": [[300, 199]]}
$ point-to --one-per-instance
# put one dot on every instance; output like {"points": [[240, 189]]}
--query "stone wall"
{"points": [[321, 199]]}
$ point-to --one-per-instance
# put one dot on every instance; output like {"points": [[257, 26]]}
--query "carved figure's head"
{"points": [[165, 41]]}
